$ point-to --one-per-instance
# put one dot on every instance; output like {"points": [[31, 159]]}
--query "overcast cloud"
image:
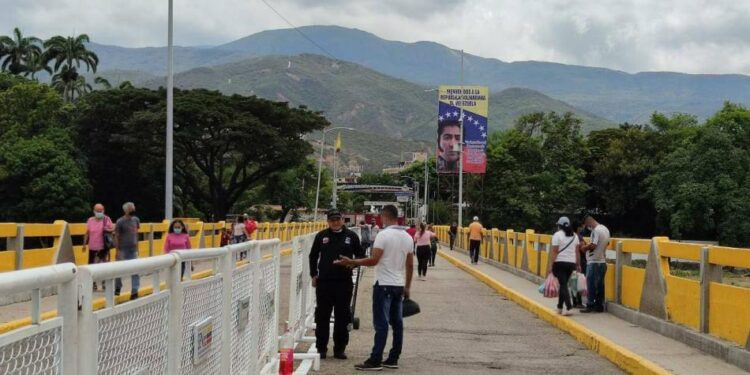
{"points": [[695, 36]]}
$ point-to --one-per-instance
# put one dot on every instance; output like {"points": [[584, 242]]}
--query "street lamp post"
{"points": [[415, 197], [461, 151], [320, 165], [168, 181]]}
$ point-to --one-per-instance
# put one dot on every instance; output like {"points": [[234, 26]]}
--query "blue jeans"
{"points": [[387, 304], [595, 283], [135, 280]]}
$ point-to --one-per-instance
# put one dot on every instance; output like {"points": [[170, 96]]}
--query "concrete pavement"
{"points": [[467, 328]]}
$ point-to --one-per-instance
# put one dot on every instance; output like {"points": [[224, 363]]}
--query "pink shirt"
{"points": [[176, 241], [424, 239], [95, 230]]}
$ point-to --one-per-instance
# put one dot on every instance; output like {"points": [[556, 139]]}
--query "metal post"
{"points": [[168, 187], [461, 151], [621, 259], [16, 244], [320, 170], [335, 165], [709, 273]]}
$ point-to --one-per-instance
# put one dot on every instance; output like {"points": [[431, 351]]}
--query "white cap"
{"points": [[563, 221], [476, 218]]}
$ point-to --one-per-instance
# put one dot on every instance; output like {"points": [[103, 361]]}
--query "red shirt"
{"points": [[412, 232], [251, 226]]}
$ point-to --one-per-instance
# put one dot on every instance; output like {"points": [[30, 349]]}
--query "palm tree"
{"points": [[35, 64], [17, 51], [70, 50], [104, 82], [70, 84]]}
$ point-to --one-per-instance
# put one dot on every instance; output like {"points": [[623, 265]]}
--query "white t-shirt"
{"points": [[396, 244], [239, 229], [600, 237], [565, 254]]}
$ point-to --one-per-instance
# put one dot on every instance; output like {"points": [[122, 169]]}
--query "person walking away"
{"points": [[365, 234], [433, 245], [98, 237], [475, 239], [333, 284], [564, 259], [452, 233], [250, 226], [582, 233], [412, 231], [126, 241], [596, 267], [393, 259], [239, 234], [374, 230], [226, 236], [177, 239], [422, 241]]}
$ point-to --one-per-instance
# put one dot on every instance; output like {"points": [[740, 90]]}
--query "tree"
{"points": [[18, 51], [104, 82], [291, 188], [41, 176], [68, 53]]}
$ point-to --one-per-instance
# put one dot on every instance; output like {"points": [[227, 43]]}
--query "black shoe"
{"points": [[368, 366], [133, 296], [117, 292], [389, 363], [323, 355], [340, 355], [587, 310]]}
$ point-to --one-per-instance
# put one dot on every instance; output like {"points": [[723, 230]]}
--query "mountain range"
{"points": [[610, 94]]}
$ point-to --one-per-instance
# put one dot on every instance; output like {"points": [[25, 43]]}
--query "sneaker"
{"points": [[559, 311], [368, 366], [568, 312], [340, 355], [389, 363], [587, 310]]}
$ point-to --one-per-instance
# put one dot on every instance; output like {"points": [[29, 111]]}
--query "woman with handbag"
{"points": [[98, 237], [564, 260]]}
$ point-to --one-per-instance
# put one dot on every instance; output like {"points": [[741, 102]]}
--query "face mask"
{"points": [[132, 213], [99, 215], [178, 230]]}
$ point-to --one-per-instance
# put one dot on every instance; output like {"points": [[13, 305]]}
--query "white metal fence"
{"points": [[221, 321]]}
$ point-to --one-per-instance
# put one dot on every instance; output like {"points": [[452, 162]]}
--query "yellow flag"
{"points": [[338, 142]]}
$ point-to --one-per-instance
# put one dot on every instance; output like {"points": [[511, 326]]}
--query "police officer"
{"points": [[333, 283]]}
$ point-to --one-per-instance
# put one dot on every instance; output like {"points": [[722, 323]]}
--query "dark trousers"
{"points": [[452, 240], [433, 254], [98, 256], [135, 280], [423, 258], [333, 296], [474, 250], [562, 271], [387, 308], [595, 273]]}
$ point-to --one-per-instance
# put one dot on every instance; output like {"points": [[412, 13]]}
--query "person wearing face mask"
{"points": [[126, 241], [177, 239], [97, 238], [333, 284]]}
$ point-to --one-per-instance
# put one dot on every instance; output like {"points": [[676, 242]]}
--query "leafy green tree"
{"points": [[291, 188], [19, 52], [70, 84], [41, 176]]}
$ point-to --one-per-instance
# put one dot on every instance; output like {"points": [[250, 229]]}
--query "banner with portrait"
{"points": [[474, 100]]}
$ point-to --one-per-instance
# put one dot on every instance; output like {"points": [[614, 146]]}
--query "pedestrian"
{"points": [[475, 239], [564, 260], [374, 230], [98, 237], [433, 246], [126, 241], [422, 241], [239, 231], [365, 233], [596, 268], [250, 226], [178, 238], [452, 233], [393, 259], [582, 234], [333, 284], [226, 236], [412, 231]]}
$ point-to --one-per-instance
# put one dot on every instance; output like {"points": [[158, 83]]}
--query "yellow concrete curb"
{"points": [[99, 303], [621, 357]]}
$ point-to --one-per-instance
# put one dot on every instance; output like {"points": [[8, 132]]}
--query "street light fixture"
{"points": [[415, 189], [320, 166]]}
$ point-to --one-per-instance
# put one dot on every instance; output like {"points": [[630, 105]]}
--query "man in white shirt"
{"points": [[596, 268], [393, 259]]}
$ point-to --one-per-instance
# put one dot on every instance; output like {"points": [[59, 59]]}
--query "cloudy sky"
{"points": [[695, 36]]}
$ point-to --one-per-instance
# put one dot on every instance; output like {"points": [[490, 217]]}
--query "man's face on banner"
{"points": [[450, 137]]}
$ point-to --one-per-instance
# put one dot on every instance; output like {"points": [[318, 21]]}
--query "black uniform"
{"points": [[334, 290]]}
